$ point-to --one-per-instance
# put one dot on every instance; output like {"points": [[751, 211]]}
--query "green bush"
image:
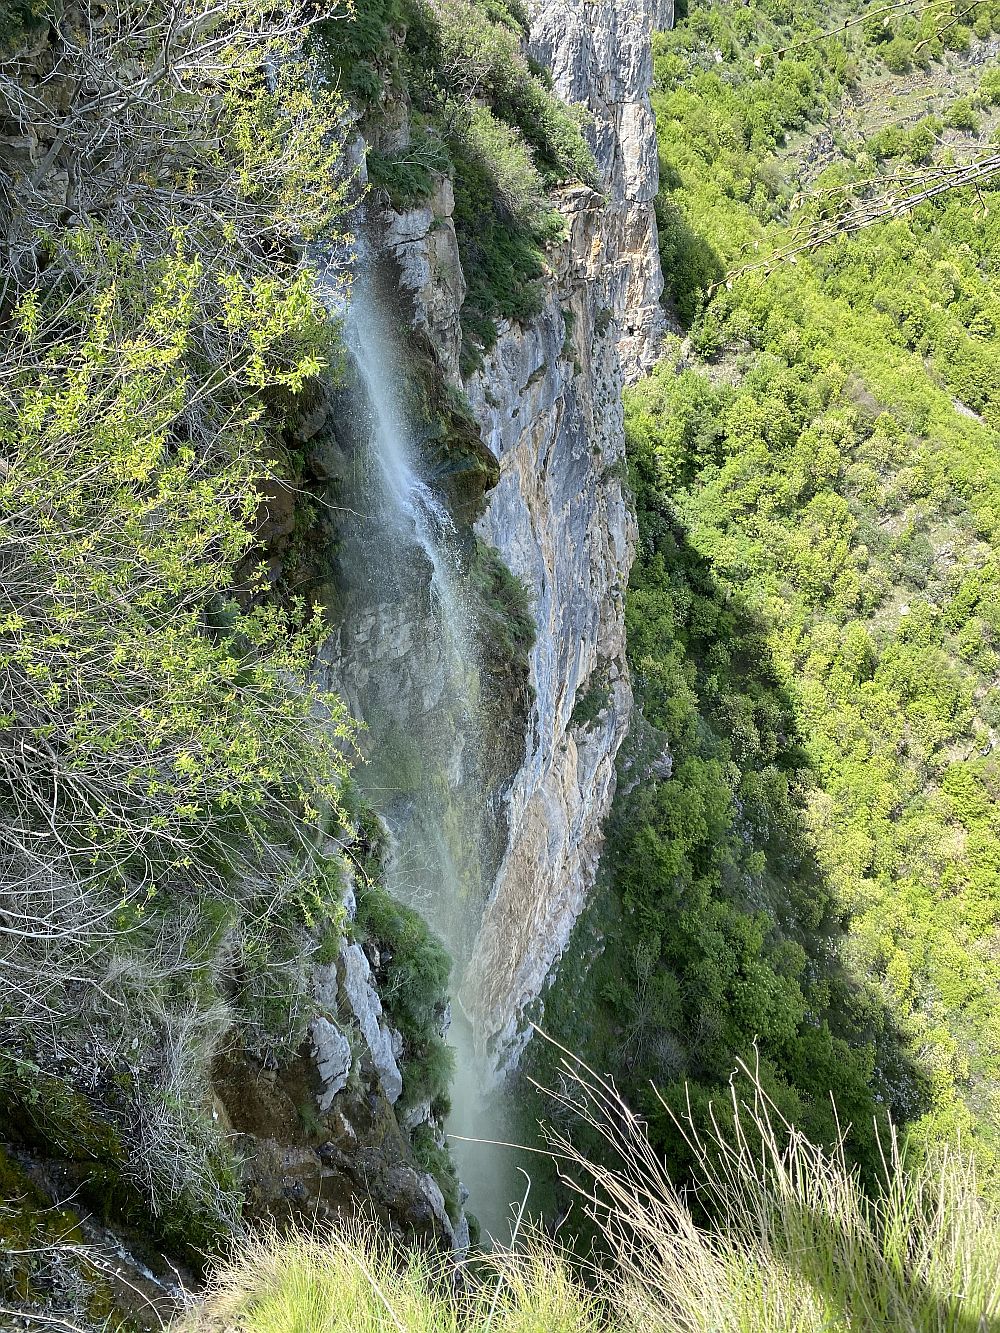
{"points": [[413, 985], [407, 175], [989, 87], [505, 613], [961, 116], [898, 55], [505, 158], [167, 719]]}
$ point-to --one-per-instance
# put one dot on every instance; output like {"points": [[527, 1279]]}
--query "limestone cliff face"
{"points": [[548, 400]]}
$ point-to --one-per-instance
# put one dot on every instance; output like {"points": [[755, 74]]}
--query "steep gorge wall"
{"points": [[548, 405], [548, 402]]}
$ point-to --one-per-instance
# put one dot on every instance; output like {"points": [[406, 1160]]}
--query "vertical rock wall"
{"points": [[549, 402]]}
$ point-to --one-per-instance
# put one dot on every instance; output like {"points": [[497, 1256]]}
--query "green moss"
{"points": [[434, 1157], [90, 1137], [507, 623]]}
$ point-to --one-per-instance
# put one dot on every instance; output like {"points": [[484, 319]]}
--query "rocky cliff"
{"points": [[548, 401], [347, 1113]]}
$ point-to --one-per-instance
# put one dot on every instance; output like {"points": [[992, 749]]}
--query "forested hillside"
{"points": [[805, 847], [315, 528]]}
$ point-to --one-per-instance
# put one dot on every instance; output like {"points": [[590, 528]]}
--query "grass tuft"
{"points": [[794, 1245]]}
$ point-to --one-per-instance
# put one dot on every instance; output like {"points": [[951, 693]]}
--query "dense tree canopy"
{"points": [[812, 616]]}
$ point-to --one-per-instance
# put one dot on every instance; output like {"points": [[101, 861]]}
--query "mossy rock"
{"points": [[84, 1136], [51, 1265]]}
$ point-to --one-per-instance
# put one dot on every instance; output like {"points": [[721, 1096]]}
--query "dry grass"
{"points": [[797, 1247]]}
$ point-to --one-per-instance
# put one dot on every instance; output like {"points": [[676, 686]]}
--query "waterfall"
{"points": [[408, 508], [417, 684]]}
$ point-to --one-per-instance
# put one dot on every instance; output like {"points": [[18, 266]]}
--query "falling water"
{"points": [[411, 512], [423, 707]]}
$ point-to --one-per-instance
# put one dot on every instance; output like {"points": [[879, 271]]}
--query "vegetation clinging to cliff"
{"points": [[483, 112], [166, 768]]}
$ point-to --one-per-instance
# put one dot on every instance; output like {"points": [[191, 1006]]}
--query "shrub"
{"points": [[877, 29], [407, 175], [503, 263], [989, 87], [898, 55], [961, 116], [504, 156], [167, 768], [956, 37], [505, 615]]}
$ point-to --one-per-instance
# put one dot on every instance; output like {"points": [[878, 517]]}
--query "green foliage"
{"points": [[506, 159], [169, 773], [407, 176], [810, 630], [505, 618], [591, 702], [716, 133], [989, 87], [961, 116], [19, 19], [916, 143], [483, 111], [127, 536], [898, 55], [413, 985]]}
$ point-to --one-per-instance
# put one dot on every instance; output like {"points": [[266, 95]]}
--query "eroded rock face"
{"points": [[332, 1053], [383, 1043], [424, 244], [549, 401], [600, 55]]}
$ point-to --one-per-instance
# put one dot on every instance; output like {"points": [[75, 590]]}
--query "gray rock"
{"points": [[332, 1052], [363, 1000], [558, 515], [462, 1239], [424, 243], [416, 1115]]}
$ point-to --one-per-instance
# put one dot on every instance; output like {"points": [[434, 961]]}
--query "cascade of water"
{"points": [[407, 502], [422, 704]]}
